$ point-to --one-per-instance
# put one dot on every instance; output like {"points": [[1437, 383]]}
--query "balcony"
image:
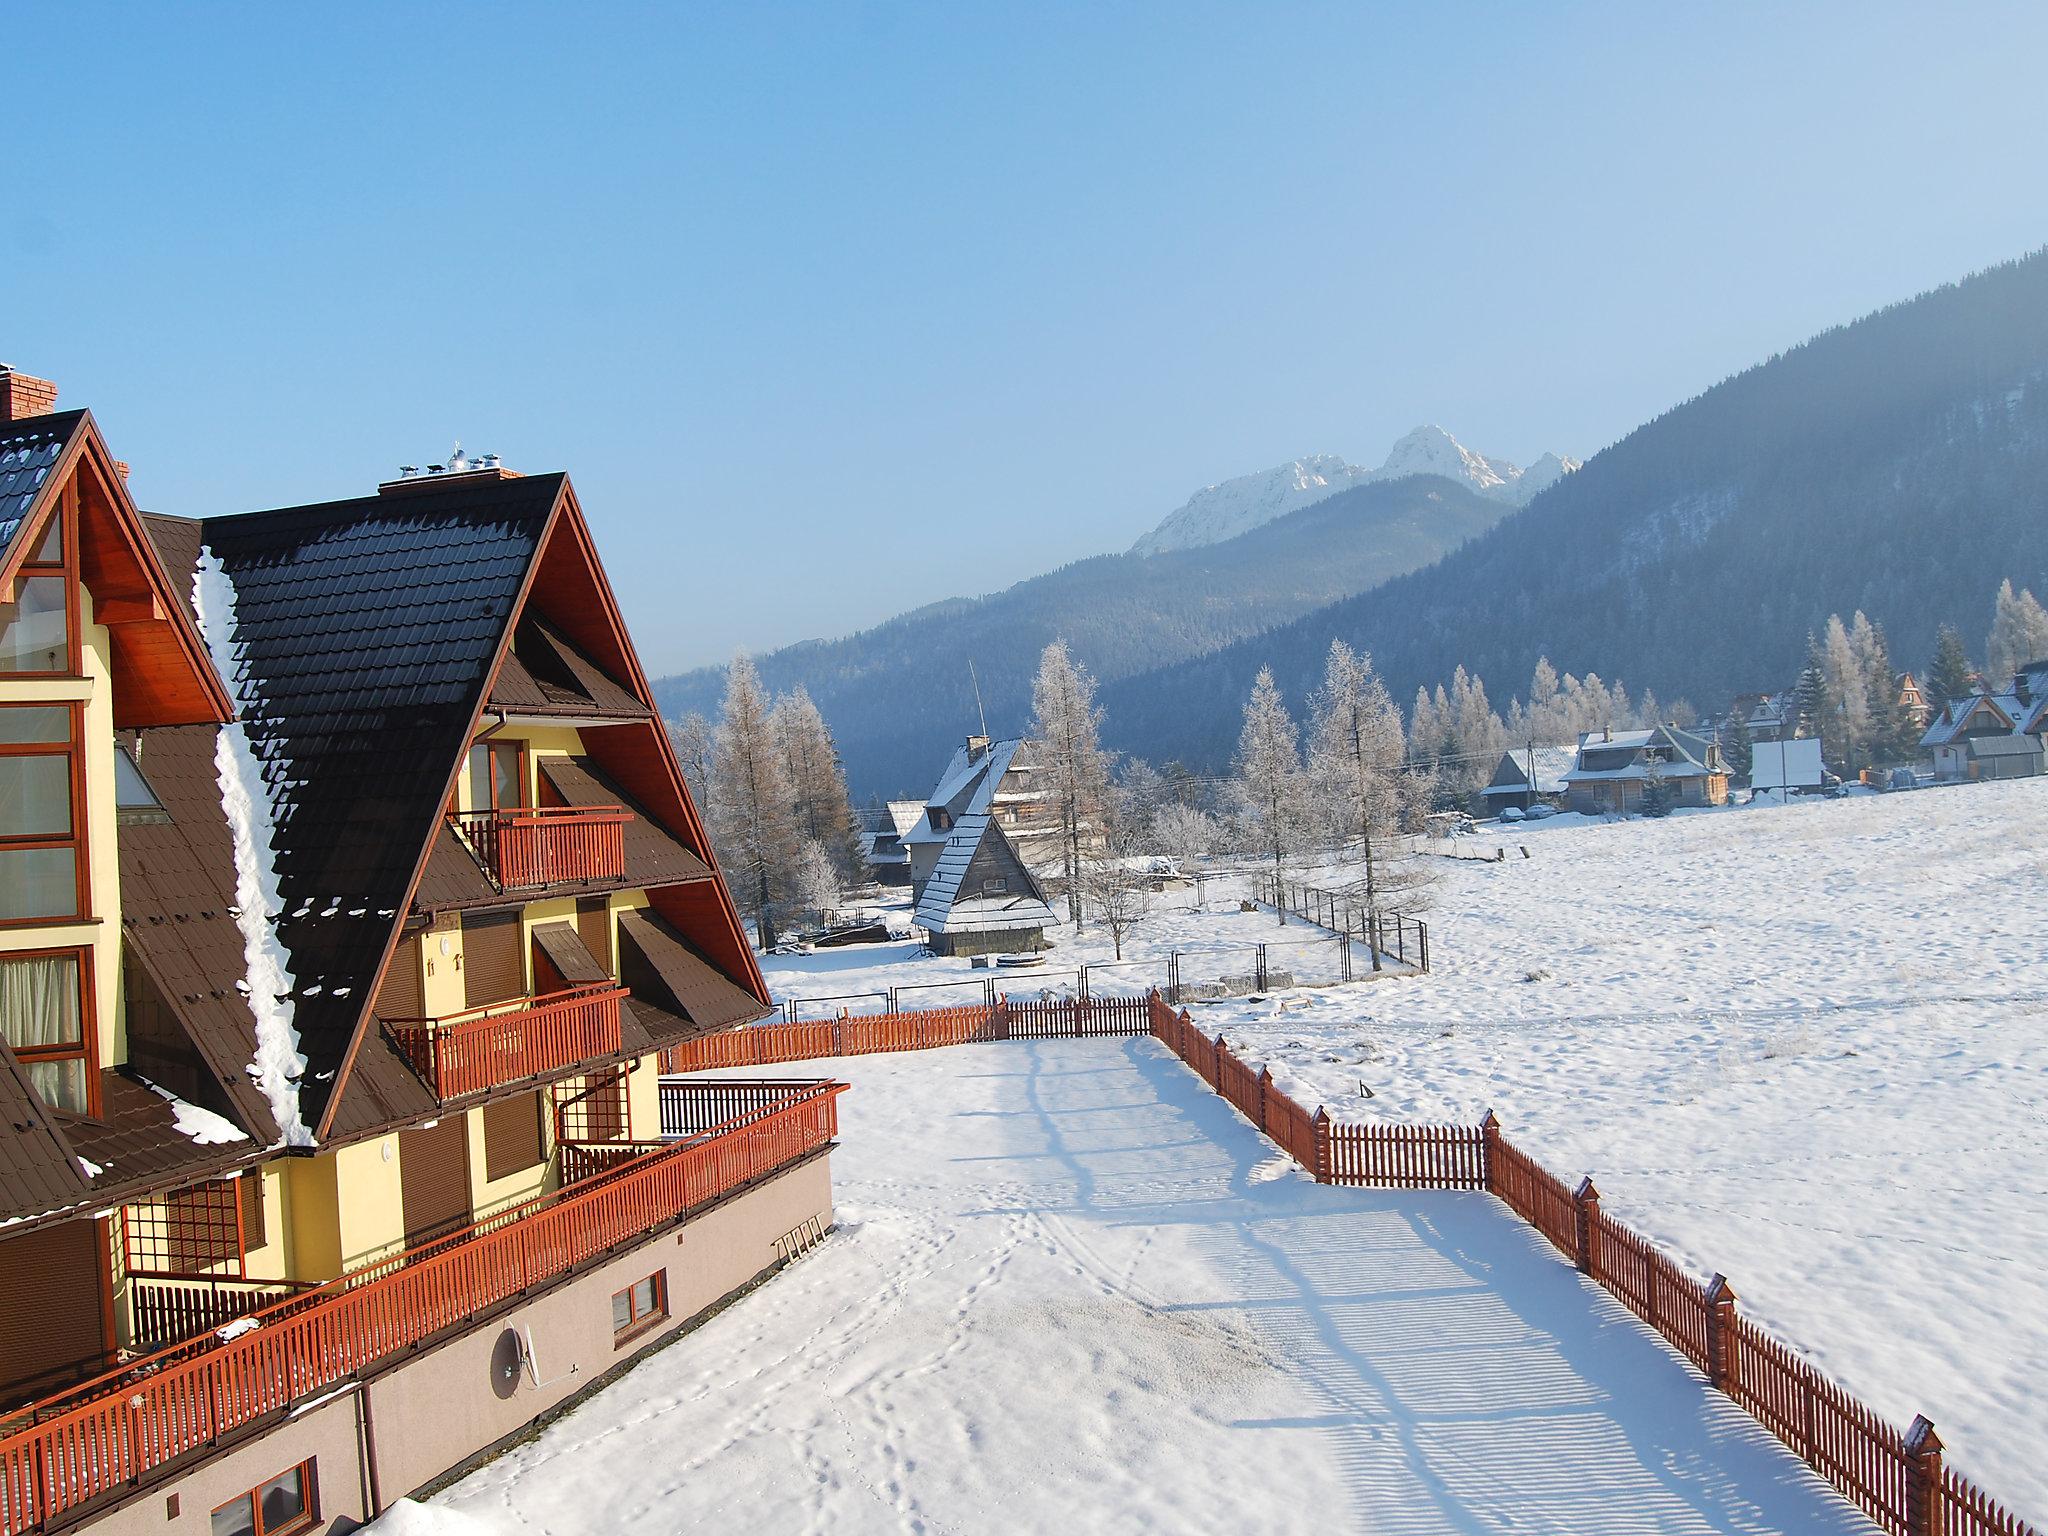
{"points": [[480, 1048], [115, 1431], [526, 847]]}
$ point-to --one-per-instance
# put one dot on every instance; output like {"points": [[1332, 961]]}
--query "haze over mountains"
{"points": [[1898, 464]]}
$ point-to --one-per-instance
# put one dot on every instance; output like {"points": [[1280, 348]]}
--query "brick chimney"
{"points": [[23, 396]]}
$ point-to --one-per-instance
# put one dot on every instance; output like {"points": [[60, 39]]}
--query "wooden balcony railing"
{"points": [[110, 1433], [169, 1311], [547, 845], [462, 1053]]}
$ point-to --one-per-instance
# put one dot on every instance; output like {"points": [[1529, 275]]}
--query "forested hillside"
{"points": [[1898, 465], [898, 696]]}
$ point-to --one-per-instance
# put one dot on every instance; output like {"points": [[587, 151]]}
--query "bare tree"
{"points": [[752, 808], [1116, 881], [691, 737], [1066, 728], [824, 810], [1184, 833], [1268, 771]]}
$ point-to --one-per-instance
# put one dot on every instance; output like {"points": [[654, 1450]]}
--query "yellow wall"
{"points": [[103, 896]]}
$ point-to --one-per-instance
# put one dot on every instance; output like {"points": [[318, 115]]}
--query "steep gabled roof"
{"points": [[365, 633], [954, 900], [967, 788]]}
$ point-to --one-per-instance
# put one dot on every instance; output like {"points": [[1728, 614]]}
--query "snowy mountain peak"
{"points": [[1219, 512]]}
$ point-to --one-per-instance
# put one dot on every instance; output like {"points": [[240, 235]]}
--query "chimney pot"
{"points": [[23, 395]]}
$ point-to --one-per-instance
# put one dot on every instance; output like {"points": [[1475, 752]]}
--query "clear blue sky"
{"points": [[835, 310]]}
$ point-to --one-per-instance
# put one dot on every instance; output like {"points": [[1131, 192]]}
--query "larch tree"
{"points": [[1844, 699], [691, 738], [1066, 729], [824, 810], [1268, 770], [2019, 634], [753, 810], [1890, 734], [1358, 763]]}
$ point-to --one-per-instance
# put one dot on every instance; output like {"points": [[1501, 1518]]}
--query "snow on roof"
{"points": [[1552, 764], [967, 787], [249, 799], [905, 814], [945, 908]]}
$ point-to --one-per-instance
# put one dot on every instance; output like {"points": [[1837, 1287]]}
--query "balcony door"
{"points": [[497, 775], [433, 1179]]}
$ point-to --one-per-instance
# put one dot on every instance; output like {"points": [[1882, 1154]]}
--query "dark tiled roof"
{"points": [[29, 450], [652, 856], [367, 631], [453, 878], [137, 1145], [38, 1169], [707, 998], [177, 900]]}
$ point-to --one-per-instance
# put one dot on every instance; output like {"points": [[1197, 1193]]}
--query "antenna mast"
{"points": [[978, 707]]}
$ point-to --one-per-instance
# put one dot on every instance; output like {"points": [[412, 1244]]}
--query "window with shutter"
{"points": [[493, 958], [433, 1179], [512, 1136]]}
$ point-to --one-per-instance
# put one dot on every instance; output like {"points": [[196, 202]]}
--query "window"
{"points": [[639, 1307], [192, 1231], [496, 777], [37, 627], [284, 1504], [46, 1018], [995, 885], [42, 863], [250, 1187], [135, 803]]}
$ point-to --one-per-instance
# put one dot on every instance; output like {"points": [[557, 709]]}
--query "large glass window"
{"points": [[36, 618], [44, 1020], [41, 833], [495, 779]]}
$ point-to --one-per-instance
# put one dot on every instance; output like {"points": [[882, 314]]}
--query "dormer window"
{"points": [[135, 803]]}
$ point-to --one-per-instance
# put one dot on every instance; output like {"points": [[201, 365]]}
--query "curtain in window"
{"points": [[39, 1008]]}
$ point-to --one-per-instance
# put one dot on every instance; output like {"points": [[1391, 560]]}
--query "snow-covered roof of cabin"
{"points": [[905, 814], [966, 788], [944, 908], [1691, 760], [1552, 764], [1948, 724]]}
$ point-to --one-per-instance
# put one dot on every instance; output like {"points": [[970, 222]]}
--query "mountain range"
{"points": [[1220, 512], [1897, 464]]}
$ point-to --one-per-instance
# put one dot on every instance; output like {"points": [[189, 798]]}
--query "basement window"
{"points": [[279, 1507], [639, 1307]]}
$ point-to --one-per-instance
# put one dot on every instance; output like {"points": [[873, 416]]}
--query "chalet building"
{"points": [[349, 893], [986, 778], [1613, 768], [1992, 735], [1914, 704], [1529, 776], [882, 830], [981, 898]]}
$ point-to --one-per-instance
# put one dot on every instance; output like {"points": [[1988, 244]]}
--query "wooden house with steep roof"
{"points": [[349, 895]]}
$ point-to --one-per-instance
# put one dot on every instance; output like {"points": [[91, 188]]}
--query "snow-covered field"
{"points": [[1074, 1292], [1806, 1045]]}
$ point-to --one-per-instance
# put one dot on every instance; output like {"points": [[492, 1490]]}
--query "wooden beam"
{"points": [[141, 608]]}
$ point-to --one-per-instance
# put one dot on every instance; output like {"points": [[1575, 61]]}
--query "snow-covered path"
{"points": [[1074, 1292]]}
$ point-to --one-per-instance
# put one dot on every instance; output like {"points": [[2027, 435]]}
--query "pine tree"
{"points": [[824, 810], [1807, 692], [1949, 674], [1067, 731], [1268, 769], [1737, 745], [752, 806]]}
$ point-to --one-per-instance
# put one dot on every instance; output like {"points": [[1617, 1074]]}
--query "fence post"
{"points": [[1422, 943], [839, 1034], [1925, 1498], [1489, 1168], [1721, 1367], [1216, 1062], [1265, 1087], [1259, 970], [1586, 1200], [1321, 1126]]}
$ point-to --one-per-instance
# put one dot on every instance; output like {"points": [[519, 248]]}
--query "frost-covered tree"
{"points": [[1358, 765], [1268, 770], [1949, 675], [824, 810], [1844, 700], [814, 883], [2019, 634], [1891, 734], [1067, 730], [752, 807], [1184, 833], [691, 738], [1115, 882]]}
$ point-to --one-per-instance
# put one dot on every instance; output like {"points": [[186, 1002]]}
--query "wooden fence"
{"points": [[104, 1436], [765, 1045], [1898, 1479]]}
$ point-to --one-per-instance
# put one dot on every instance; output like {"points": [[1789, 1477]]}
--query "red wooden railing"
{"points": [[765, 1045], [1898, 1479], [481, 1048], [104, 1436], [548, 844]]}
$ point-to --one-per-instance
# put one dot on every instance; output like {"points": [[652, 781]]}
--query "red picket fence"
{"points": [[106, 1434], [764, 1045], [1898, 1479]]}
